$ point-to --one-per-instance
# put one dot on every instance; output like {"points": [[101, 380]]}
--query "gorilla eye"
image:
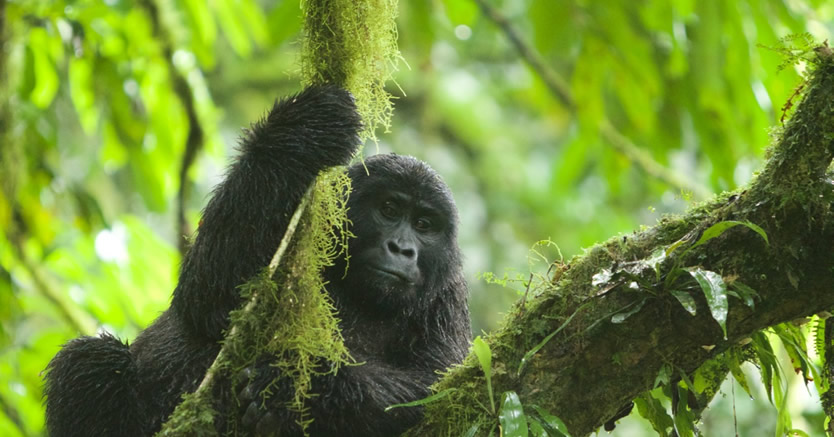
{"points": [[423, 224], [389, 209]]}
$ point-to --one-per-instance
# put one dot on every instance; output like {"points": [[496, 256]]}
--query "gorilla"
{"points": [[401, 303]]}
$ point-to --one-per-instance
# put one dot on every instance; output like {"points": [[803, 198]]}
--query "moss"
{"points": [[353, 43], [193, 417]]}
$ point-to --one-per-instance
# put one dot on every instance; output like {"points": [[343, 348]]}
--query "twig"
{"points": [[560, 89], [208, 379]]}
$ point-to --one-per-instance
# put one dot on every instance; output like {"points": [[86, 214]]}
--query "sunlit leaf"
{"points": [[460, 12], [233, 29], [46, 78]]}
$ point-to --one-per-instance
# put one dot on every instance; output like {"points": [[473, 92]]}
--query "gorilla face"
{"points": [[405, 224]]}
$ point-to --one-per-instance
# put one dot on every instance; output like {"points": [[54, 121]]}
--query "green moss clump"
{"points": [[353, 43], [295, 320], [193, 417]]}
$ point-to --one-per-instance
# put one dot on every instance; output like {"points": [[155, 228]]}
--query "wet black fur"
{"points": [[98, 386]]}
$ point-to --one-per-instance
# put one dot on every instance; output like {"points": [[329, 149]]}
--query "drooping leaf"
{"points": [[767, 362], [684, 418], [715, 291], [734, 362], [652, 410]]}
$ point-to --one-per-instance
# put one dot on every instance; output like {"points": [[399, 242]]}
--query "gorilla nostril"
{"points": [[401, 249]]}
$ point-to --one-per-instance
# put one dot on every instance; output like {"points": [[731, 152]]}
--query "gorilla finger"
{"points": [[268, 425], [252, 416]]}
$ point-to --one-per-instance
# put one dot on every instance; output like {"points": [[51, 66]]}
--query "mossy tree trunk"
{"points": [[592, 367]]}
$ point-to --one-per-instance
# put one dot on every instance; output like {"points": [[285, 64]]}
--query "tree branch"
{"points": [[593, 366]]}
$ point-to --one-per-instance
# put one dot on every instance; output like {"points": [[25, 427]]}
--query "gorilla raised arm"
{"points": [[402, 302]]}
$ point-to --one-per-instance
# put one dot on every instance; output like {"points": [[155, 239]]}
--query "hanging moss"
{"points": [[353, 43], [289, 316], [294, 319]]}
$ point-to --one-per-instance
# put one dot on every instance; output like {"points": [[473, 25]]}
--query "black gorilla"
{"points": [[402, 302]]}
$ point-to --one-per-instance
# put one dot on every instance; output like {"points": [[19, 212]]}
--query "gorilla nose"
{"points": [[401, 248]]}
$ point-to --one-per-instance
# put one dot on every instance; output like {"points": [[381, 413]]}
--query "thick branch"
{"points": [[592, 367]]}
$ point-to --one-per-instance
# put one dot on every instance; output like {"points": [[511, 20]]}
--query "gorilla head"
{"points": [[405, 223]]}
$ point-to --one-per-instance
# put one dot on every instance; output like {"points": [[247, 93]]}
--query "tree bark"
{"points": [[592, 367]]}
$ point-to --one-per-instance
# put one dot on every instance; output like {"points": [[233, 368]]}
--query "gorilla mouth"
{"points": [[394, 274]]}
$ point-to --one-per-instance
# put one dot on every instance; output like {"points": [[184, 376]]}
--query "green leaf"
{"points": [[663, 375], [460, 12], [719, 228], [684, 418], [254, 21], [769, 367], [735, 368], [745, 293], [552, 424], [46, 79], [472, 431], [675, 245], [536, 428], [630, 310], [284, 21], [652, 410], [685, 300], [715, 291], [484, 355], [511, 417], [657, 258], [233, 29], [423, 401]]}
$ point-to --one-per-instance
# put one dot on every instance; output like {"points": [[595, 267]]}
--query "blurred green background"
{"points": [[636, 108]]}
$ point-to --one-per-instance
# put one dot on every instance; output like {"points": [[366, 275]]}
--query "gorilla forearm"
{"points": [[249, 212]]}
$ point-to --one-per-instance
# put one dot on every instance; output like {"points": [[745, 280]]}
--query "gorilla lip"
{"points": [[394, 274]]}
